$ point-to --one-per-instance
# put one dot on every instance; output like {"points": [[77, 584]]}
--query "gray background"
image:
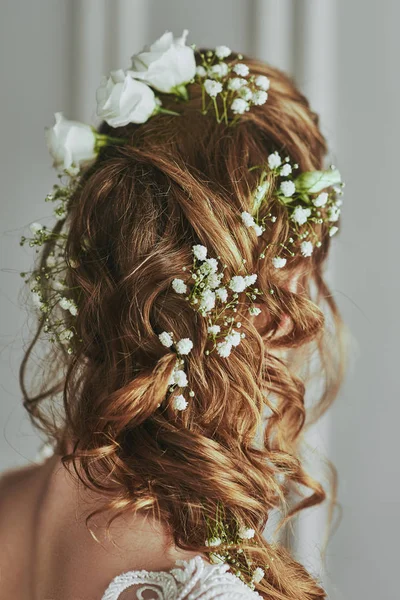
{"points": [[344, 55]]}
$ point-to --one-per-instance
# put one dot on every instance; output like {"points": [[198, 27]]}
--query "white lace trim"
{"points": [[194, 579]]}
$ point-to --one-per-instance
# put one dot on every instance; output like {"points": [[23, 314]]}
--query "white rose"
{"points": [[70, 142], [167, 65], [122, 100]]}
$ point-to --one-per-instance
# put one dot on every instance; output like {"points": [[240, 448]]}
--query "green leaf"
{"points": [[313, 182]]}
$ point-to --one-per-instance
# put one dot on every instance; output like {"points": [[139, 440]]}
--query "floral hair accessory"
{"points": [[226, 539], [310, 199], [48, 282], [167, 66], [232, 83], [216, 297]]}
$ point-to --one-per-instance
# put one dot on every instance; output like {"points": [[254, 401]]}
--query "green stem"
{"points": [[216, 109], [165, 111]]}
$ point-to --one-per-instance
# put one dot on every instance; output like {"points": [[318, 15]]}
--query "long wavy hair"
{"points": [[140, 207]]}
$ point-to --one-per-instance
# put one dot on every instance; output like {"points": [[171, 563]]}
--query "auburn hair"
{"points": [[176, 182]]}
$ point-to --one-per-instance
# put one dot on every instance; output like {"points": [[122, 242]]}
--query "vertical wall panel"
{"points": [[272, 32]]}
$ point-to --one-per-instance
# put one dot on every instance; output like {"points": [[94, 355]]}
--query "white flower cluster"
{"points": [[132, 96], [213, 299], [178, 378], [166, 66], [232, 83], [223, 541], [305, 200], [49, 291]]}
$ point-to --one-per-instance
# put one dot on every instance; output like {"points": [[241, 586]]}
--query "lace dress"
{"points": [[194, 579]]}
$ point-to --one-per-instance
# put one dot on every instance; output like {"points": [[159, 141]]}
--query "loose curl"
{"points": [[180, 181]]}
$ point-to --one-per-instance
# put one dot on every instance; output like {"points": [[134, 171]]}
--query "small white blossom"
{"points": [[66, 335], [233, 338], [235, 83], [274, 160], [258, 229], [278, 262], [246, 93], [258, 575], [306, 248], [254, 310], [200, 252], [262, 82], [241, 69], [35, 228], [213, 88], [321, 200], [239, 106], [216, 541], [213, 280], [51, 261], [58, 285], [300, 215], [288, 188], [333, 230], [247, 219], [260, 98], [184, 346], [179, 286], [250, 279], [334, 213], [222, 294], [216, 559], [237, 283], [166, 339], [224, 349], [180, 402], [214, 329], [211, 265], [246, 533], [65, 303], [180, 378], [37, 300], [73, 309], [207, 301], [201, 71], [218, 71], [286, 170], [222, 52]]}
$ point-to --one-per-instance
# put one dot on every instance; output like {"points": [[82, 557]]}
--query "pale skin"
{"points": [[46, 550]]}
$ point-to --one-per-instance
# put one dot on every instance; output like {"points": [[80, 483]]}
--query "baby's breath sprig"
{"points": [[216, 297], [310, 199], [231, 83], [178, 380], [226, 539], [48, 281]]}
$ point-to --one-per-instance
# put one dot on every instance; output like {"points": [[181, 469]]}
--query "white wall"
{"points": [[344, 54]]}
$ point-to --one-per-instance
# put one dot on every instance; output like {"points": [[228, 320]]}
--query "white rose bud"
{"points": [[70, 143], [122, 100], [167, 64]]}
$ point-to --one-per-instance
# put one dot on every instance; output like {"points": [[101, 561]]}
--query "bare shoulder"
{"points": [[15, 480], [17, 488]]}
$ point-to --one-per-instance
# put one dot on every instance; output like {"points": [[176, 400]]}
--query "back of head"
{"points": [[139, 210]]}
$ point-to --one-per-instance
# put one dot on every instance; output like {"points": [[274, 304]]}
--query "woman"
{"points": [[180, 286]]}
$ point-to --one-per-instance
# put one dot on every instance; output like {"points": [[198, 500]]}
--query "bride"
{"points": [[182, 290]]}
